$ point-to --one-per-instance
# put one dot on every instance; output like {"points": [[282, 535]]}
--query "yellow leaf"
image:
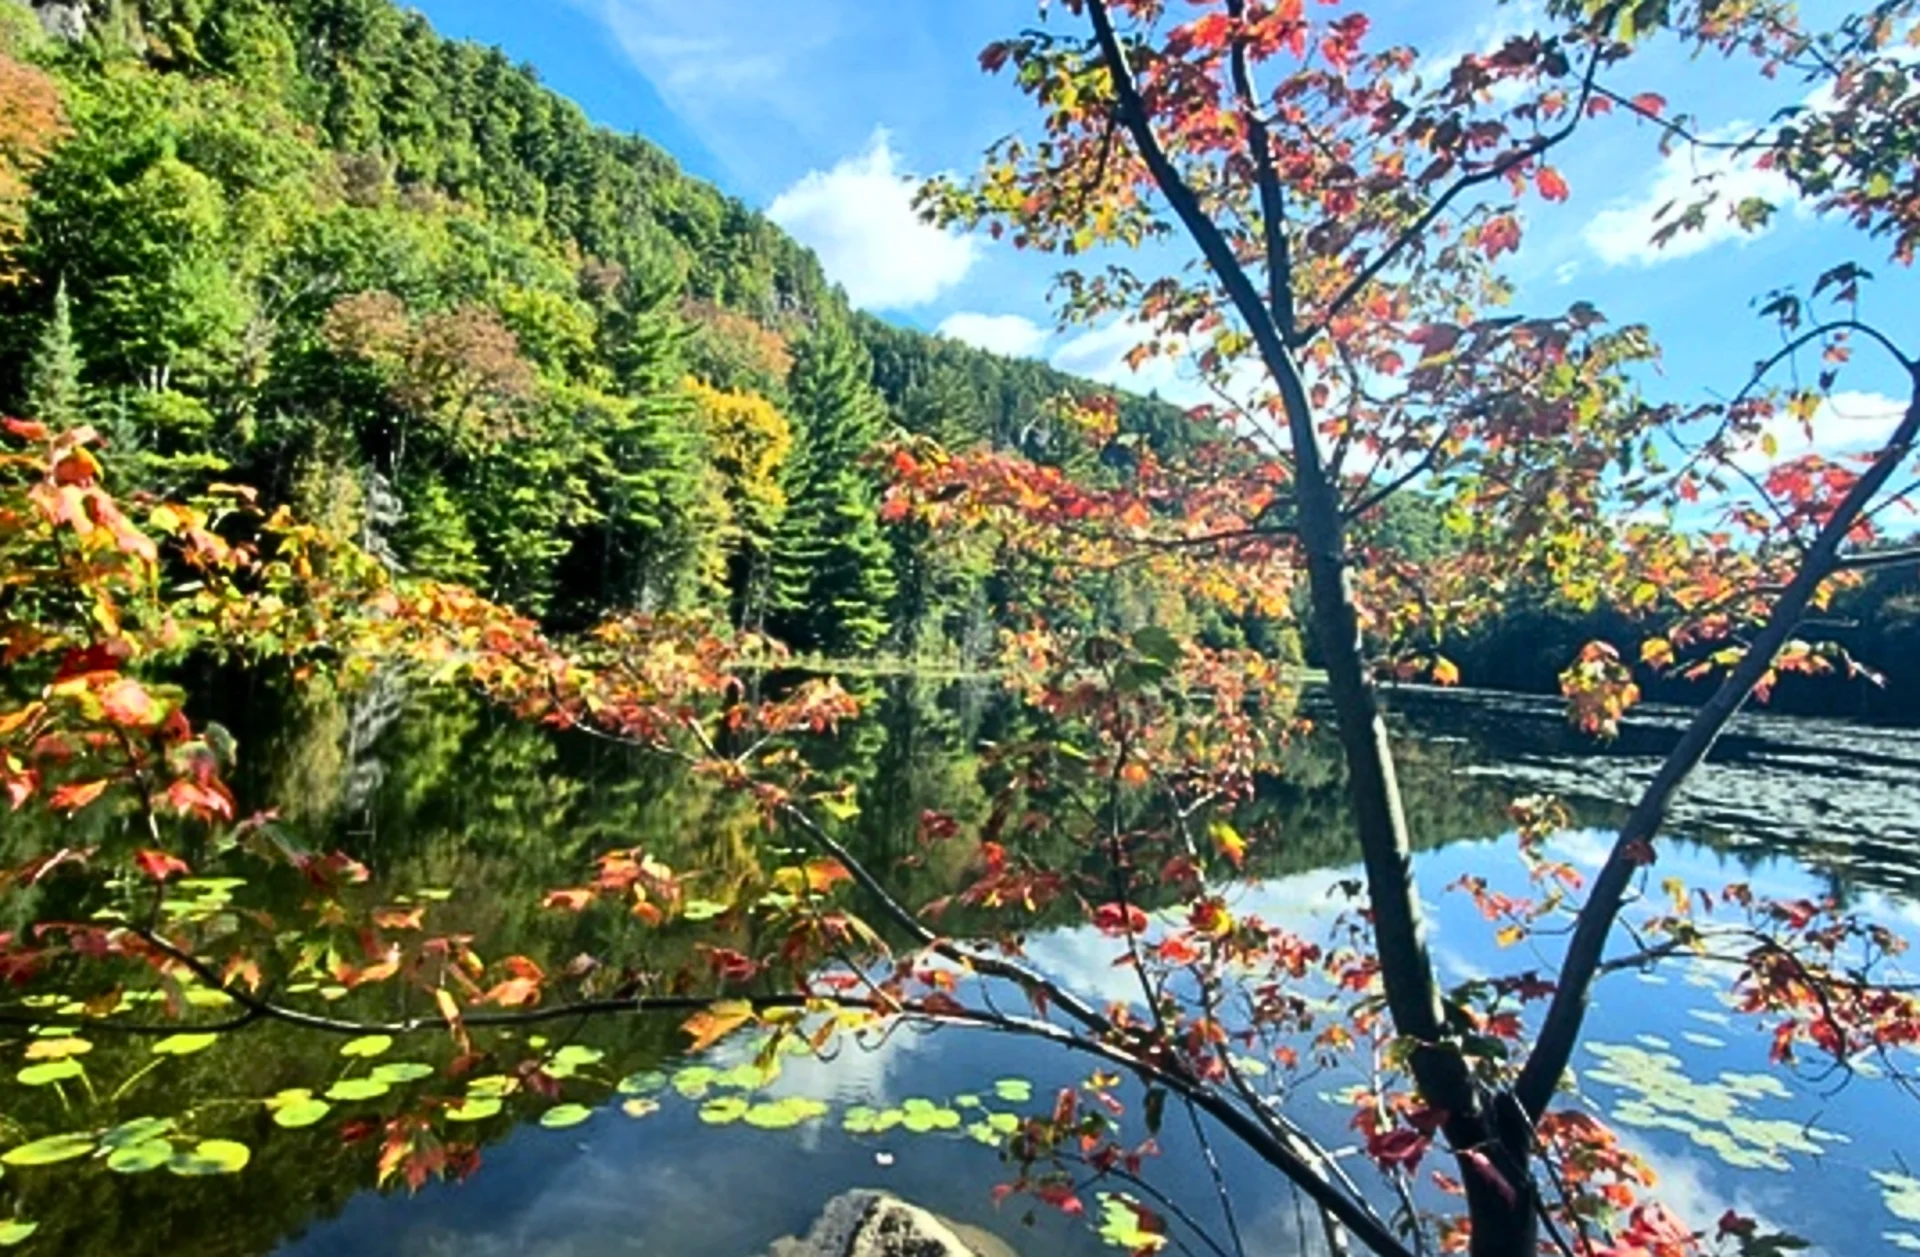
{"points": [[1445, 671], [716, 1021], [1657, 651], [1510, 935], [1229, 842]]}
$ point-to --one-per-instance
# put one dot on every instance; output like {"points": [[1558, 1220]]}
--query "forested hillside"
{"points": [[312, 246]]}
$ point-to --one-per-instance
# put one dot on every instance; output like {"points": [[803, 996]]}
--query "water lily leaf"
{"points": [[1003, 1123], [924, 1121], [57, 1049], [475, 1108], [645, 1083], [209, 1157], [398, 1072], [495, 1086], [140, 1158], [300, 1114], [694, 1081], [16, 1231], [723, 1110], [640, 1107], [562, 1116], [138, 1131], [368, 1045], [784, 1114], [49, 1072], [357, 1089], [1013, 1090], [50, 1151], [746, 1077], [859, 1120], [185, 1044]]}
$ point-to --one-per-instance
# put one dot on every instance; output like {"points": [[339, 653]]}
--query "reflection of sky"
{"points": [[668, 1185]]}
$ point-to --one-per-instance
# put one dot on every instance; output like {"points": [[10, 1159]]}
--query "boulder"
{"points": [[867, 1223]]}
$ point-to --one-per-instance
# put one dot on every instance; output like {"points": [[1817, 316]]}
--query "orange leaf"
{"points": [[159, 866], [1551, 185], [716, 1022], [71, 798]]}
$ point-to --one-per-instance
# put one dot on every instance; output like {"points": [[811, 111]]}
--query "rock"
{"points": [[67, 21], [867, 1223]]}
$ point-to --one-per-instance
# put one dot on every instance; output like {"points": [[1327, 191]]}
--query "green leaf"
{"points": [[50, 1151], [49, 1072], [357, 1089], [185, 1044], [1014, 1090], [645, 1083], [140, 1158], [784, 1114], [473, 1109], [702, 909], [564, 1115], [209, 1157], [368, 1045], [723, 1110], [300, 1114], [640, 1106], [138, 1131], [398, 1072], [16, 1231]]}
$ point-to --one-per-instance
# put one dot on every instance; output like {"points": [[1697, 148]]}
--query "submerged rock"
{"points": [[867, 1223]]}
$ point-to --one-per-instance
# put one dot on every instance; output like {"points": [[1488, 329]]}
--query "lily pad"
{"points": [[185, 1044], [398, 1072], [49, 1072], [140, 1158], [50, 1151], [367, 1045], [300, 1114], [138, 1131], [645, 1083], [561, 1116], [475, 1108], [349, 1089], [784, 1114], [210, 1157], [694, 1081], [639, 1107], [1013, 1090], [723, 1110]]}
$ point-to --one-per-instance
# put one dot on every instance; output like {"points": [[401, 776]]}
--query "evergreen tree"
{"points": [[53, 373], [832, 566]]}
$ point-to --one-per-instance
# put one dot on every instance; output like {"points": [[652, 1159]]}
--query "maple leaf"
{"points": [[1400, 1148], [128, 703], [72, 797], [159, 866], [1228, 841], [1551, 184], [715, 1022]]}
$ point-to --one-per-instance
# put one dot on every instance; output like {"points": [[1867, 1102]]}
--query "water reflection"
{"points": [[441, 793]]}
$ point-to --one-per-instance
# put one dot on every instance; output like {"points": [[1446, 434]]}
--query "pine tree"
{"points": [[53, 395], [832, 564]]}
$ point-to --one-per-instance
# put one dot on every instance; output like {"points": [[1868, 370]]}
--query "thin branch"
{"points": [[1273, 205], [1418, 228], [1565, 1015]]}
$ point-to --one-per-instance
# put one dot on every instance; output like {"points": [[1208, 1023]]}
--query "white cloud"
{"points": [[1012, 335], [859, 217], [1622, 234], [1845, 423]]}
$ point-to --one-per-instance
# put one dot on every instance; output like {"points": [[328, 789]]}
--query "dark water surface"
{"points": [[444, 795]]}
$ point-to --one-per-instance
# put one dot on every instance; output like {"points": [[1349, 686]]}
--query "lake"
{"points": [[700, 1158]]}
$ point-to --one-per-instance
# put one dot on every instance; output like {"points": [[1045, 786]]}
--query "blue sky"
{"points": [[824, 112]]}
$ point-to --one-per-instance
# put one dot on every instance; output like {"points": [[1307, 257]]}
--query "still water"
{"points": [[441, 794]]}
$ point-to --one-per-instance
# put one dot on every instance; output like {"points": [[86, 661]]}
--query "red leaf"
{"points": [[159, 866], [1651, 103], [1402, 1147], [76, 795], [128, 703], [25, 430], [1551, 185], [1113, 918]]}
